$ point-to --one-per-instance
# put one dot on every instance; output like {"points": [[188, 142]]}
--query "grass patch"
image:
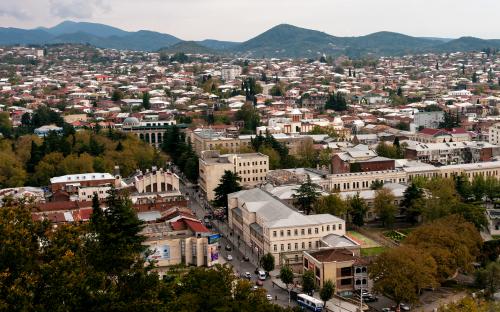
{"points": [[364, 241], [395, 235], [373, 251]]}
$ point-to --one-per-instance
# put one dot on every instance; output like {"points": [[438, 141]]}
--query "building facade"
{"points": [[252, 168], [151, 132], [267, 225]]}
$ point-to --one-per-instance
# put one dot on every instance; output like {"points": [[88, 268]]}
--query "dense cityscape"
{"points": [[181, 180]]}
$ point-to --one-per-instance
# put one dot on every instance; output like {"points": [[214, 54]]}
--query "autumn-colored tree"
{"points": [[402, 272], [384, 206]]}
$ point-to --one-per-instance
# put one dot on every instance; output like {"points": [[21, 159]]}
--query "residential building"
{"points": [[494, 134], [252, 168], [428, 119], [344, 267]]}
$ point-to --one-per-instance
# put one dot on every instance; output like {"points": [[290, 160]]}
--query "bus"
{"points": [[308, 302]]}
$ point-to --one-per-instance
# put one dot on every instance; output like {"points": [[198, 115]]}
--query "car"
{"points": [[229, 258], [248, 275], [402, 307], [259, 283], [261, 275], [245, 258], [228, 248], [387, 310], [370, 298], [269, 297]]}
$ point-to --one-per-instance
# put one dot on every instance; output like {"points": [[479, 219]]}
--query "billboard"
{"points": [[160, 253], [212, 255], [214, 238]]}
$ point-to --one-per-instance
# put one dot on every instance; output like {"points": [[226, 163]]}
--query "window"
{"points": [[316, 231], [333, 227], [289, 246], [274, 233], [327, 228], [310, 245], [309, 231], [303, 245], [296, 232], [340, 226], [296, 246], [288, 233], [282, 247], [302, 232], [282, 233], [275, 247]]}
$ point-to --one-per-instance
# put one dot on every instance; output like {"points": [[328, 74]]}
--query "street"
{"points": [[239, 265]]}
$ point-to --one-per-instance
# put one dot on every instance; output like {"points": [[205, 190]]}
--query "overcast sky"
{"points": [[240, 20]]}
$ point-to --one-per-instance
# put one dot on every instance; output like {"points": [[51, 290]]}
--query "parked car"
{"points": [[370, 298], [248, 275], [269, 297], [229, 258]]}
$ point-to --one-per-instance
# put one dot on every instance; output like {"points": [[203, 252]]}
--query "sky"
{"points": [[240, 20]]}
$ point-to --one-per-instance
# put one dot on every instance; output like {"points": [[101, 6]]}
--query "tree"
{"points": [[450, 121], [229, 183], [474, 78], [331, 204], [5, 125], [267, 262], [377, 184], [306, 195], [357, 210], [384, 206], [453, 243], [413, 202], [116, 239], [489, 278], [336, 102], [146, 100], [308, 284], [250, 116], [117, 95], [327, 291], [401, 273], [286, 276]]}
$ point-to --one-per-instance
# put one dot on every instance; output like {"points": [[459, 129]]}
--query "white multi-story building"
{"points": [[494, 134], [266, 225], [252, 168], [229, 73]]}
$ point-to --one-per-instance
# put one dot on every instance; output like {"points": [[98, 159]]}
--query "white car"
{"points": [[262, 275], [248, 275], [269, 297], [229, 258]]}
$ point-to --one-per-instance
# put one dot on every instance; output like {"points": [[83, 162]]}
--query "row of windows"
{"points": [[364, 184], [296, 245], [253, 171], [309, 231], [253, 179], [254, 163]]}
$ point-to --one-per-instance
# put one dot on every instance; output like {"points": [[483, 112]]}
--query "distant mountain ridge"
{"points": [[283, 40]]}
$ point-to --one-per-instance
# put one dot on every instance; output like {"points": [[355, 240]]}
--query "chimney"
{"points": [[116, 171]]}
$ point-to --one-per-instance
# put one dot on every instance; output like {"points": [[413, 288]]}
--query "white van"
{"points": [[262, 275]]}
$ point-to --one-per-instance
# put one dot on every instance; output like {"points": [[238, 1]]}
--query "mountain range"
{"points": [[280, 41]]}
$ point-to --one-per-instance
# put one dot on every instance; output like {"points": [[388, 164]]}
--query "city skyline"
{"points": [[236, 20]]}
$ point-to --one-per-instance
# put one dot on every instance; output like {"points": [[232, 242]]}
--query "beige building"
{"points": [[252, 168], [494, 134], [342, 266], [151, 132], [267, 225], [180, 239], [155, 181]]}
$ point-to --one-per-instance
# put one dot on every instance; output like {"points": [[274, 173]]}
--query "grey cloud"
{"points": [[14, 12], [77, 8]]}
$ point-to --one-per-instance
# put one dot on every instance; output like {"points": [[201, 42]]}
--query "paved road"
{"points": [[239, 266]]}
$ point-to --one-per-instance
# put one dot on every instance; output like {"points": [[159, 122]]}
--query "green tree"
{"points": [[331, 204], [327, 291], [413, 201], [489, 278], [306, 195], [117, 95], [229, 183], [146, 100], [377, 185], [267, 262], [308, 283], [250, 116], [384, 206], [286, 276], [357, 210]]}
